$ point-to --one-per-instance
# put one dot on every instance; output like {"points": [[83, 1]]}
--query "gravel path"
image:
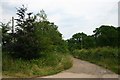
{"points": [[84, 69]]}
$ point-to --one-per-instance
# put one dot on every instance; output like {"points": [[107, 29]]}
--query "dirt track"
{"points": [[84, 69]]}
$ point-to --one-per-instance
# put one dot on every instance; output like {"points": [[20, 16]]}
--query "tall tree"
{"points": [[34, 37], [25, 44], [106, 36], [81, 40], [77, 41]]}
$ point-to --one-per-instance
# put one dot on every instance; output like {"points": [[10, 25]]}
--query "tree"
{"points": [[48, 36], [25, 42], [89, 42], [41, 16], [0, 36], [106, 36], [34, 37], [81, 40], [6, 36], [77, 41]]}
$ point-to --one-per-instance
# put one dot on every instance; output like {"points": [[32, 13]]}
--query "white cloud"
{"points": [[0, 13], [71, 16]]}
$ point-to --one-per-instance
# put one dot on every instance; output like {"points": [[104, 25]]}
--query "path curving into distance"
{"points": [[84, 69]]}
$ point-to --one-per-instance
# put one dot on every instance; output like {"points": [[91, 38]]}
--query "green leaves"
{"points": [[34, 37], [103, 36], [106, 36], [80, 40], [49, 38]]}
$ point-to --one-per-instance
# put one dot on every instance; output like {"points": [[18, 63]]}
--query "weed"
{"points": [[51, 63]]}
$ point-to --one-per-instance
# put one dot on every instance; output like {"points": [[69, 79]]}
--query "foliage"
{"points": [[6, 37], [24, 45], [36, 48], [0, 36], [106, 36], [81, 40], [48, 64], [49, 38], [103, 36], [33, 36], [107, 57]]}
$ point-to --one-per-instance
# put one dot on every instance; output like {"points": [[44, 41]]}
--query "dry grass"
{"points": [[49, 64]]}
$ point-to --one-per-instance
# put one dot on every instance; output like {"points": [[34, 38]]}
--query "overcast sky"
{"points": [[71, 16]]}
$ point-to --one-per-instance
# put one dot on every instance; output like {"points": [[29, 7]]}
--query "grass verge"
{"points": [[48, 64], [106, 57]]}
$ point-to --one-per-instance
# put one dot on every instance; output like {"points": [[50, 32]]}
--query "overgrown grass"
{"points": [[51, 63], [107, 57]]}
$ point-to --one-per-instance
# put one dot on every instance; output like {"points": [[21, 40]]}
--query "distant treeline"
{"points": [[103, 36], [101, 48]]}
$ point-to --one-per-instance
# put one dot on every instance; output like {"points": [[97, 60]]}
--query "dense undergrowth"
{"points": [[48, 64], [106, 56]]}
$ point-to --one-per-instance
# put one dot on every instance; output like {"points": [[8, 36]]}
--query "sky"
{"points": [[71, 16]]}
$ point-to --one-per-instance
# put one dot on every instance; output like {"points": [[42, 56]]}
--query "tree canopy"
{"points": [[34, 35], [106, 36], [103, 36]]}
